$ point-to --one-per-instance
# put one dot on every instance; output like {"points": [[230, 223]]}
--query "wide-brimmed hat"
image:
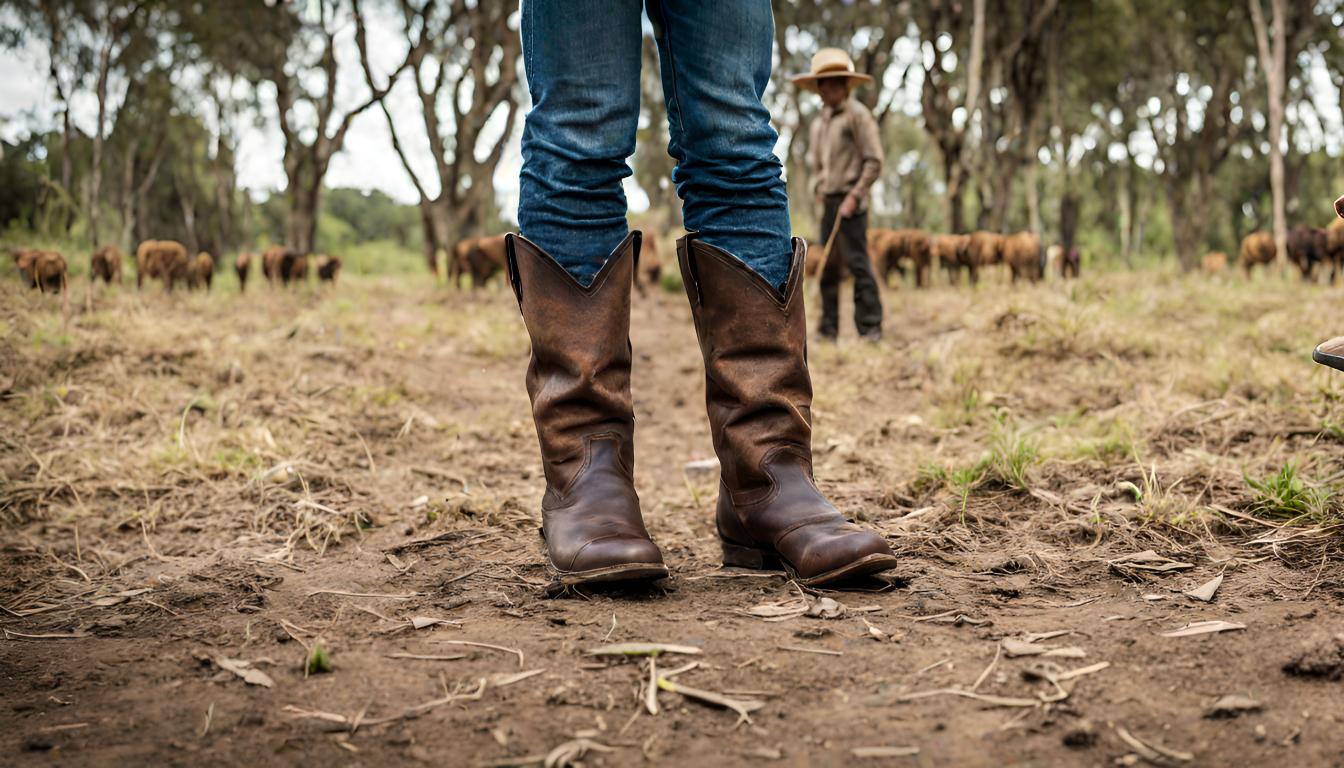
{"points": [[830, 62]]}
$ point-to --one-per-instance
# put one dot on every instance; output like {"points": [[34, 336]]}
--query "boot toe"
{"points": [[613, 558], [844, 551]]}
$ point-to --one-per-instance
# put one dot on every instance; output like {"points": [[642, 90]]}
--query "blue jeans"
{"points": [[582, 60]]}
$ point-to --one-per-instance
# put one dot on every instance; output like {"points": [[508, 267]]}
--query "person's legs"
{"points": [[582, 61], [743, 277], [832, 272], [572, 275], [867, 300], [715, 59]]}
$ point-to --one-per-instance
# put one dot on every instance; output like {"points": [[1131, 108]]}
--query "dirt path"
{"points": [[193, 480]]}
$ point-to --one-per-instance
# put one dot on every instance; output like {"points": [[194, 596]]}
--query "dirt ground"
{"points": [[201, 491]]}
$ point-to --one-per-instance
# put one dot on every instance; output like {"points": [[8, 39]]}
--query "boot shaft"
{"points": [[578, 378], [754, 342]]}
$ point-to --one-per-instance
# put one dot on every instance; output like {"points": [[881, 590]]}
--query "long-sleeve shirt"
{"points": [[845, 152]]}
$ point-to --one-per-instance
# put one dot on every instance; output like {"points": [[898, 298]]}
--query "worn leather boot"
{"points": [[759, 397], [579, 382]]}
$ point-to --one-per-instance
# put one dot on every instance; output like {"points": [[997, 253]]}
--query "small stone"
{"points": [[1081, 736]]}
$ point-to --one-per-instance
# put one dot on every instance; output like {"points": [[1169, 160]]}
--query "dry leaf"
{"points": [[244, 670], [885, 751], [420, 622], [1232, 705], [1207, 590], [643, 649], [1203, 628]]}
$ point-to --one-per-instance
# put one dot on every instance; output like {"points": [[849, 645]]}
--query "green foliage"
{"points": [[1285, 495], [318, 660]]}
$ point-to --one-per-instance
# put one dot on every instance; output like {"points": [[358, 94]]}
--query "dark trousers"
{"points": [[850, 250]]}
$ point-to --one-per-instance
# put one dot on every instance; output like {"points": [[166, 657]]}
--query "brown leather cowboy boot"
{"points": [[759, 397], [579, 382]]}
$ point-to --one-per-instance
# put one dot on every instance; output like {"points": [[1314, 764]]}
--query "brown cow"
{"points": [[1306, 248], [485, 258], [105, 265], [1022, 253], [328, 267], [164, 260], [982, 250], [201, 271], [950, 252], [1256, 248], [650, 264], [1334, 248], [43, 270], [23, 263], [1214, 262], [891, 249], [242, 265], [284, 265], [272, 260]]}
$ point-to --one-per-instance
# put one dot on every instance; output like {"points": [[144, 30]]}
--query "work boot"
{"points": [[1330, 352], [759, 398], [579, 382]]}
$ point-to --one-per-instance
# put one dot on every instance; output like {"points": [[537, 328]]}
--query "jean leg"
{"points": [[716, 60], [582, 61], [867, 299], [832, 272]]}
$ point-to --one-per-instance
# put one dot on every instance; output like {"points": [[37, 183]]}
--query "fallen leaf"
{"points": [[1232, 705], [1203, 628], [420, 622], [1207, 590], [244, 670], [643, 649], [825, 608], [884, 751]]}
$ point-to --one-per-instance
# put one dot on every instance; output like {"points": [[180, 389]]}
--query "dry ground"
{"points": [[189, 481]]}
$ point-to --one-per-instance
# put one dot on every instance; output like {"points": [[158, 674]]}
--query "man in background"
{"points": [[846, 157]]}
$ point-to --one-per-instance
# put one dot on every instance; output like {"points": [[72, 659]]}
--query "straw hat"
{"points": [[830, 62]]}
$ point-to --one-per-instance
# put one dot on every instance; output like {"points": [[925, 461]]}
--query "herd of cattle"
{"points": [[168, 262], [481, 258], [1309, 248], [898, 250]]}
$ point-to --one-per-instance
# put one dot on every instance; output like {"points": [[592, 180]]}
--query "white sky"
{"points": [[368, 161]]}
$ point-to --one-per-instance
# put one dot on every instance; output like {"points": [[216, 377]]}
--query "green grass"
{"points": [[1286, 496]]}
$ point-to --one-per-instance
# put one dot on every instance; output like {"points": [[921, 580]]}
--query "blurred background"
{"points": [[1143, 131]]}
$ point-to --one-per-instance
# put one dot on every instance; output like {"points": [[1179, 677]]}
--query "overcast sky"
{"points": [[368, 160]]}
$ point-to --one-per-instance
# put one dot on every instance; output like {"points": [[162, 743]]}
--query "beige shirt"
{"points": [[845, 152]]}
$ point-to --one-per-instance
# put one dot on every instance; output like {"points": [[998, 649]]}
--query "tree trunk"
{"points": [[1272, 63], [1187, 220]]}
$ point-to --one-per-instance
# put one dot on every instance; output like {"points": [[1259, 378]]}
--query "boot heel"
{"points": [[737, 556]]}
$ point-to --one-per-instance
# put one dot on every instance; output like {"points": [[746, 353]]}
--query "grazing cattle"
{"points": [[1307, 248], [485, 258], [650, 267], [892, 249], [1022, 253], [1334, 248], [105, 265], [43, 270], [23, 262], [328, 267], [272, 261], [164, 260], [951, 252], [201, 271], [243, 265], [284, 265], [1256, 248], [1214, 262], [984, 249], [458, 260]]}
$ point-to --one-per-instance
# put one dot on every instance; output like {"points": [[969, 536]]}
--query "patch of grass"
{"points": [[1012, 455], [1286, 496]]}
